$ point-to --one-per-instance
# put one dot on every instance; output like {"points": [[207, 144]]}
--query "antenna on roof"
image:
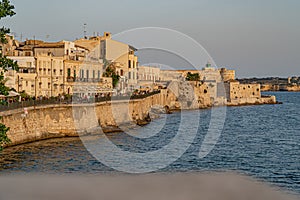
{"points": [[84, 31]]}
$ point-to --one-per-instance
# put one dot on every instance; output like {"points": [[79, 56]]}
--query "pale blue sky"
{"points": [[255, 37]]}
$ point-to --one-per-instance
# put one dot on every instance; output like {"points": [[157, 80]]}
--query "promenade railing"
{"points": [[72, 100]]}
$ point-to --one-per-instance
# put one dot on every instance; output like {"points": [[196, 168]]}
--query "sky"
{"points": [[257, 38]]}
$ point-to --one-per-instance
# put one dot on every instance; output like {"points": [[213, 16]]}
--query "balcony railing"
{"points": [[90, 80]]}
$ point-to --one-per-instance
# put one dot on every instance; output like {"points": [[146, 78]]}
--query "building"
{"points": [[209, 75], [50, 75], [66, 49], [80, 70], [9, 48], [227, 75], [65, 67], [124, 60], [26, 48], [237, 91], [85, 78], [148, 74], [25, 78], [171, 75], [89, 81]]}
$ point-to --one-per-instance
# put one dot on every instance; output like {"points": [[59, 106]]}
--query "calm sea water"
{"points": [[261, 141]]}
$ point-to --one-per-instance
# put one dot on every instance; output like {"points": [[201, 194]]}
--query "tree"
{"points": [[192, 77], [111, 72], [6, 9]]}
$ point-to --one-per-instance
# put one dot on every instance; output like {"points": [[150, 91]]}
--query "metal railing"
{"points": [[72, 100]]}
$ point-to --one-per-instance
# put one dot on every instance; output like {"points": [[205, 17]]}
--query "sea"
{"points": [[261, 141]]}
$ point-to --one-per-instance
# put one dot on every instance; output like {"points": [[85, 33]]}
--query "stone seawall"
{"points": [[253, 101], [70, 120]]}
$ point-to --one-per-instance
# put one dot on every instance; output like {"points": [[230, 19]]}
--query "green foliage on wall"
{"points": [[192, 77], [111, 72]]}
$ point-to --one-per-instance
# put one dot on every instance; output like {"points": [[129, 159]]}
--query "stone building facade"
{"points": [[50, 76], [227, 75], [51, 68], [236, 91], [124, 60], [148, 75], [25, 79], [10, 47]]}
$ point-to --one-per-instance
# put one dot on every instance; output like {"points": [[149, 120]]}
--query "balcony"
{"points": [[90, 80], [71, 79]]}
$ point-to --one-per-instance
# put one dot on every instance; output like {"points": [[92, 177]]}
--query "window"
{"points": [[74, 73], [129, 75], [69, 72], [49, 85], [28, 64], [129, 63], [54, 71], [61, 72], [87, 74], [26, 83], [99, 75], [49, 71], [40, 85], [94, 74]]}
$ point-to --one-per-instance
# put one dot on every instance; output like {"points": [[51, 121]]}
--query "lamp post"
{"points": [[51, 78], [18, 82], [35, 82]]}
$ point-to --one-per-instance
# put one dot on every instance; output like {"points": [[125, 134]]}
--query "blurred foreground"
{"points": [[212, 186]]}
